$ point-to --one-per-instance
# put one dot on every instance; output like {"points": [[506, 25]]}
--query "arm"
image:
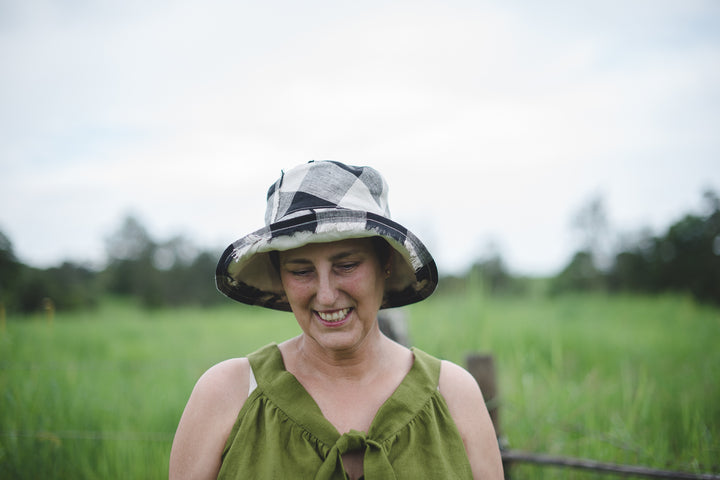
{"points": [[209, 416], [467, 407]]}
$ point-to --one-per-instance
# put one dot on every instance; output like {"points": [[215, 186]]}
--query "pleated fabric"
{"points": [[280, 432]]}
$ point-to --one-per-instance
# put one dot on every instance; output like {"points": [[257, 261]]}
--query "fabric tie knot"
{"points": [[375, 462]]}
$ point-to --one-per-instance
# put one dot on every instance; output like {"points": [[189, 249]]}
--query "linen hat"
{"points": [[318, 202]]}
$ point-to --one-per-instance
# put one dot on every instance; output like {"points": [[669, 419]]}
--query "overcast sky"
{"points": [[492, 121]]}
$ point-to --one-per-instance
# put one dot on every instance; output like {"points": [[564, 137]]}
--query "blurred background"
{"points": [[560, 160], [496, 124]]}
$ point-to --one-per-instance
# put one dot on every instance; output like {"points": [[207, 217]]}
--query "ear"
{"points": [[388, 264]]}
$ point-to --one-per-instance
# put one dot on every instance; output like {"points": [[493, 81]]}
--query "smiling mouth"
{"points": [[334, 316]]}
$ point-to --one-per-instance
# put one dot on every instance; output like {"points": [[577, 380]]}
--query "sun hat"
{"points": [[318, 202]]}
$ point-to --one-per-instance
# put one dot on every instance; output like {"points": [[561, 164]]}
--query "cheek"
{"points": [[294, 290], [374, 286]]}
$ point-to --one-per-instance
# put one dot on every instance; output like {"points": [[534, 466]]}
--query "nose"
{"points": [[327, 291]]}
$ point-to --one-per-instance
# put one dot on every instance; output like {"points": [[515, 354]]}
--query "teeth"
{"points": [[335, 316]]}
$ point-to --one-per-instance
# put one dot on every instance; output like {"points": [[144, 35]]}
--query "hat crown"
{"points": [[326, 185]]}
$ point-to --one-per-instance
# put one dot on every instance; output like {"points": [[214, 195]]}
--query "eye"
{"points": [[298, 271], [347, 267], [301, 273]]}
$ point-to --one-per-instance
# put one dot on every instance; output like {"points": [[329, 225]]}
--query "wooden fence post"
{"points": [[482, 368]]}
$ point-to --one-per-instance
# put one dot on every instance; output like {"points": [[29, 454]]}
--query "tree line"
{"points": [[156, 273], [685, 258]]}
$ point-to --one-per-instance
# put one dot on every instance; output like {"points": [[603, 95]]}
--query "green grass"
{"points": [[99, 394], [630, 380], [627, 380]]}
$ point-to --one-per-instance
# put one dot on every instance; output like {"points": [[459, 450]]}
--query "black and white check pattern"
{"points": [[318, 185], [324, 202]]}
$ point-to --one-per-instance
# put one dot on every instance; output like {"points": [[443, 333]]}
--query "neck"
{"points": [[355, 364]]}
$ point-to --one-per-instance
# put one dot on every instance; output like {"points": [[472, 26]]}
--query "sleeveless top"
{"points": [[281, 433]]}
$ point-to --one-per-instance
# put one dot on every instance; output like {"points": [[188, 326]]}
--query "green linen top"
{"points": [[281, 433]]}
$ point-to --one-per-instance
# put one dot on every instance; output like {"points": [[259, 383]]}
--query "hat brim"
{"points": [[246, 274]]}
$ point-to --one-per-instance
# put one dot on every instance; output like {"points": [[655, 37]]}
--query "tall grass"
{"points": [[621, 379], [99, 394], [632, 380]]}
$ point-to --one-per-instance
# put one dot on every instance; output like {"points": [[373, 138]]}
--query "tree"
{"points": [[690, 257], [172, 272], [130, 242], [130, 269], [493, 275], [581, 274], [9, 270], [591, 223], [686, 258]]}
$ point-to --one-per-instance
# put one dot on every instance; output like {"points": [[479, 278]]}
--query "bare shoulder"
{"points": [[467, 408], [208, 417], [225, 377], [455, 380]]}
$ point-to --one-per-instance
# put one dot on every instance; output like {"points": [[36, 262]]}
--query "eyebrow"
{"points": [[337, 257]]}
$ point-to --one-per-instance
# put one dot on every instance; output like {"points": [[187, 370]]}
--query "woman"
{"points": [[341, 400]]}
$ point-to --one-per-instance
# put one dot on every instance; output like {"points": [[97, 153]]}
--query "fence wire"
{"points": [[57, 436]]}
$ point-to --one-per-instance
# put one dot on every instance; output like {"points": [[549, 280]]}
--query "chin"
{"points": [[341, 340]]}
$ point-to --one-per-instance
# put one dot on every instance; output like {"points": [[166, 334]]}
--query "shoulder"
{"points": [[456, 381], [224, 378], [467, 407], [208, 417], [221, 388], [461, 393]]}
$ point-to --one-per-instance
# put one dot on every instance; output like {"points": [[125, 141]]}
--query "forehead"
{"points": [[329, 249]]}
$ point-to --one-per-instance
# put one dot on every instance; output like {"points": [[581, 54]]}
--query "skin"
{"points": [[341, 363]]}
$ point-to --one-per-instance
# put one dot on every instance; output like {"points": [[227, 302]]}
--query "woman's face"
{"points": [[335, 290]]}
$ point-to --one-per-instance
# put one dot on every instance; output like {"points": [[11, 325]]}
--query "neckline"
{"points": [[405, 402]]}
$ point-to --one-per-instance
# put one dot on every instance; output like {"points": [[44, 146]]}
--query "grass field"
{"points": [[632, 380]]}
